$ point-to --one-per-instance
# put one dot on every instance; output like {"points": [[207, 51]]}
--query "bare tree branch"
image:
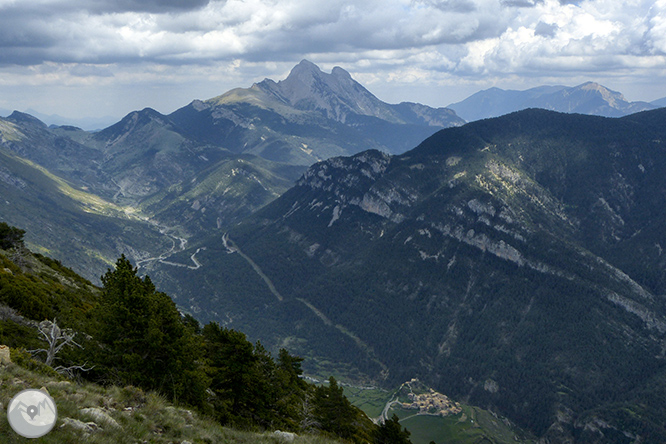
{"points": [[56, 338], [69, 371]]}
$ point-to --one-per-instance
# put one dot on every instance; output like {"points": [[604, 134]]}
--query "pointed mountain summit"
{"points": [[588, 98], [309, 116], [339, 97], [336, 95]]}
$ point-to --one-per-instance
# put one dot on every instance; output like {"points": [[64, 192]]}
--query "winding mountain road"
{"points": [[233, 248], [178, 245]]}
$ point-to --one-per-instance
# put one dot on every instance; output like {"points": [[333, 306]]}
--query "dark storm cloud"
{"points": [[521, 3], [154, 6]]}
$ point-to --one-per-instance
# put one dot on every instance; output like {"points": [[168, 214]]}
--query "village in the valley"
{"points": [[428, 402]]}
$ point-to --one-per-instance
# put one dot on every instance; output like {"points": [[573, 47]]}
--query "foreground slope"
{"points": [[515, 263], [34, 288], [121, 415]]}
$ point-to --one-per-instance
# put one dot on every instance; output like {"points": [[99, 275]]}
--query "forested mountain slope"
{"points": [[112, 357], [513, 262]]}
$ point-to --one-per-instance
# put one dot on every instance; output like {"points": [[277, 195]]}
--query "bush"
{"points": [[10, 237], [22, 358]]}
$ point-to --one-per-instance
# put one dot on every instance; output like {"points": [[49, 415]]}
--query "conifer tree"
{"points": [[147, 344], [10, 237], [231, 366], [333, 410], [391, 432]]}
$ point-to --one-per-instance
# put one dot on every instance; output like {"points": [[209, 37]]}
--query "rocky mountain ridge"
{"points": [[340, 97], [309, 116]]}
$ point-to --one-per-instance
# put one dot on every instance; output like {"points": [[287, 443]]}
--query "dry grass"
{"points": [[141, 417]]}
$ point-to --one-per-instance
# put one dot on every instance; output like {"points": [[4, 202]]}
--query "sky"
{"points": [[93, 58]]}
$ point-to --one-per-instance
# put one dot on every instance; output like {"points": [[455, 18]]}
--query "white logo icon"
{"points": [[32, 413]]}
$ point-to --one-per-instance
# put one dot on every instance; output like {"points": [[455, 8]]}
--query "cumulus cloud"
{"points": [[397, 40]]}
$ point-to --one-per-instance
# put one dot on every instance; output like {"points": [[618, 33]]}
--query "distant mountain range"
{"points": [[659, 103], [307, 117], [588, 98], [201, 168], [86, 123], [339, 97]]}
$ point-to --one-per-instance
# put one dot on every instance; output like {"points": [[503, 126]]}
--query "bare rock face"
{"points": [[100, 416], [339, 97], [336, 95], [5, 358]]}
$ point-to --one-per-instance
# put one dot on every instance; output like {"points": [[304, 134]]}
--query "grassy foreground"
{"points": [[94, 414]]}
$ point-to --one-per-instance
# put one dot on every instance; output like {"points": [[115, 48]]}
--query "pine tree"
{"points": [[391, 432], [147, 344], [334, 411], [10, 237], [232, 368]]}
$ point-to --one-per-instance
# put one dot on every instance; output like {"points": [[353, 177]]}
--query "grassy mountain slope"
{"points": [[87, 412], [117, 415], [513, 263], [86, 231], [28, 137], [106, 323], [125, 190]]}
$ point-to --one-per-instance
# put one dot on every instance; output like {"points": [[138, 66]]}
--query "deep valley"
{"points": [[514, 264]]}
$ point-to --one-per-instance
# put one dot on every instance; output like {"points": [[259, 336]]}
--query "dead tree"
{"points": [[18, 254], [308, 421], [57, 338]]}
